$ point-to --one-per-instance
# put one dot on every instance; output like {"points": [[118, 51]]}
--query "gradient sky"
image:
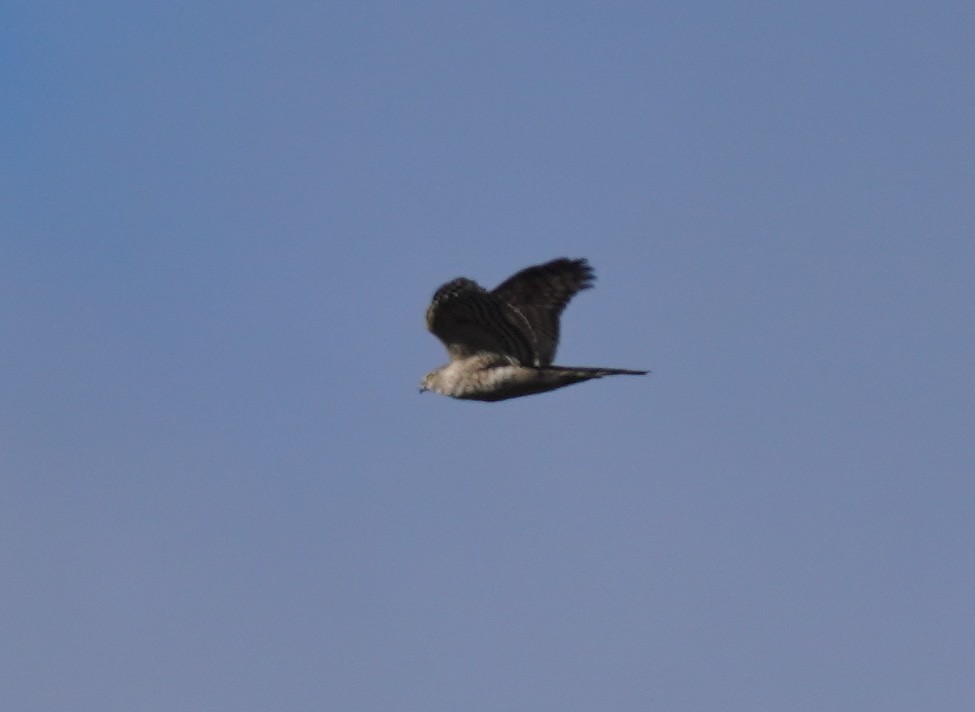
{"points": [[221, 223]]}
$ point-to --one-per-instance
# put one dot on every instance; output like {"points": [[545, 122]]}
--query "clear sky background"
{"points": [[221, 224]]}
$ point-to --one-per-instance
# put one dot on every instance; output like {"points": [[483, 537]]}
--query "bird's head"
{"points": [[428, 382]]}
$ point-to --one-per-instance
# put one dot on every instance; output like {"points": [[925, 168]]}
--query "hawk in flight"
{"points": [[501, 343]]}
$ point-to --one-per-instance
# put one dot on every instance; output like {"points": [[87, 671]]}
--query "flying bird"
{"points": [[501, 343]]}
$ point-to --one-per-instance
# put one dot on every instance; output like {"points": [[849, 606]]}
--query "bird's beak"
{"points": [[422, 389]]}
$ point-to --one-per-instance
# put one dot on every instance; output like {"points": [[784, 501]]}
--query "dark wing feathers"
{"points": [[538, 295], [468, 320], [519, 318]]}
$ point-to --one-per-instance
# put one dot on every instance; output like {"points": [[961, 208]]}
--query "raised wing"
{"points": [[535, 298], [470, 320]]}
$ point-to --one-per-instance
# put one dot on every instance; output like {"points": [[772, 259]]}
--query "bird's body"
{"points": [[501, 343]]}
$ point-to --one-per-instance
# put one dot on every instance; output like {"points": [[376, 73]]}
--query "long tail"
{"points": [[515, 381], [594, 372], [559, 376]]}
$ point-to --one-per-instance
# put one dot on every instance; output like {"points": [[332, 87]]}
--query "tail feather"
{"points": [[596, 372], [557, 376]]}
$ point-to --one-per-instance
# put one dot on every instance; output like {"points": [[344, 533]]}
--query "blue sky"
{"points": [[221, 224]]}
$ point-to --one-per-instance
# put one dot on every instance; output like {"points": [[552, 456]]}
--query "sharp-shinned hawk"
{"points": [[501, 343]]}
